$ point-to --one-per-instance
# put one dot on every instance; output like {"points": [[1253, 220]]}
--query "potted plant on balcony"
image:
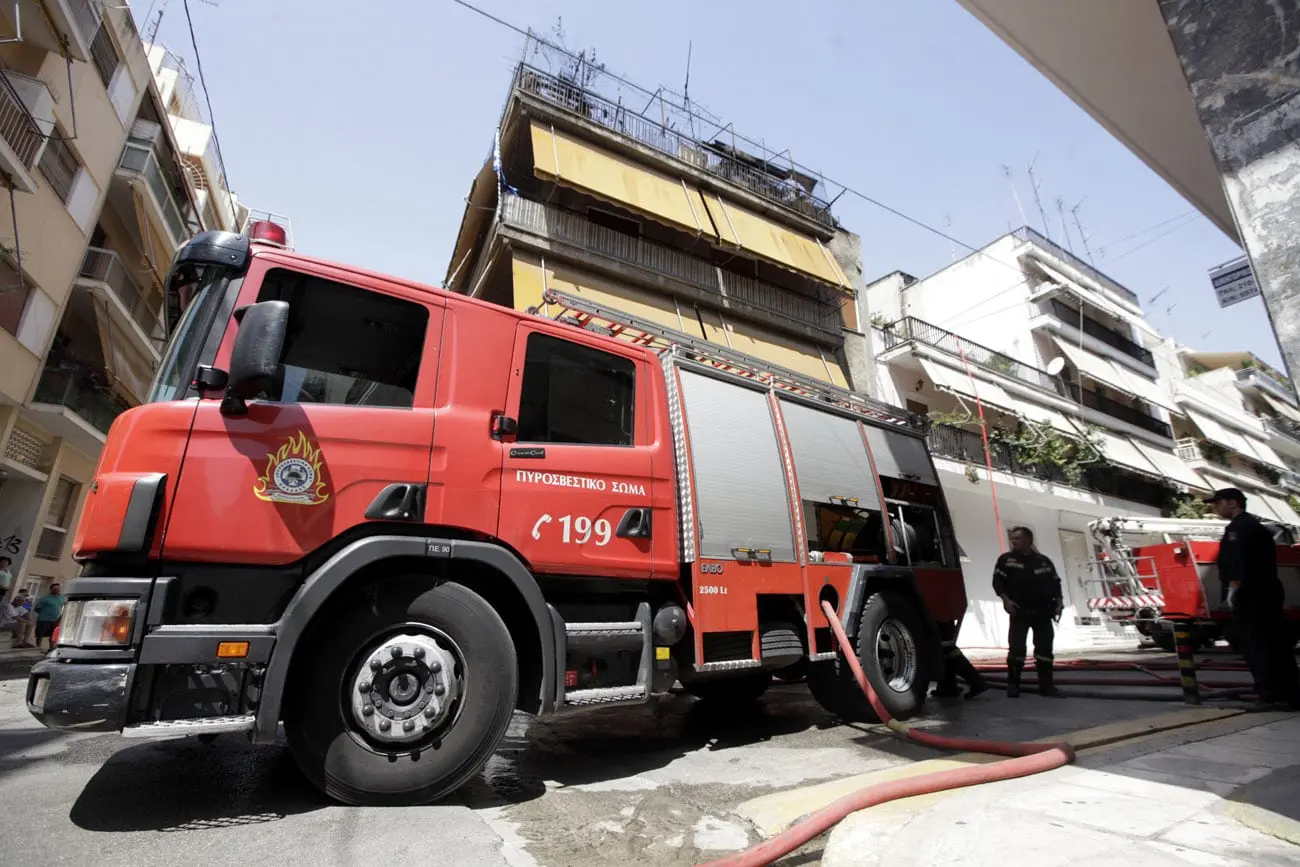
{"points": [[1213, 452], [1002, 364]]}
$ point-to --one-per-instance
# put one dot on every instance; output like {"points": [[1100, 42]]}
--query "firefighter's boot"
{"points": [[1045, 685], [1014, 667]]}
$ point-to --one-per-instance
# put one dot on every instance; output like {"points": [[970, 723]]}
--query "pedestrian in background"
{"points": [[25, 631], [1252, 589], [1030, 590], [49, 610]]}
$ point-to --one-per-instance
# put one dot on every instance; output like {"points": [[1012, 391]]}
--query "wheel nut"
{"points": [[368, 710], [439, 689], [419, 653], [431, 711], [396, 652], [435, 666], [408, 726], [384, 725], [364, 687], [375, 665]]}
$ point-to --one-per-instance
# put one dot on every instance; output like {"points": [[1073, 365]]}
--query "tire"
{"points": [[742, 689], [1165, 641], [479, 679], [890, 617]]}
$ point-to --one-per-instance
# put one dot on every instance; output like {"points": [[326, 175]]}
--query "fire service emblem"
{"points": [[293, 474]]}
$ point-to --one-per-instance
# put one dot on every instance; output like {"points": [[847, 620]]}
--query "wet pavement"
{"points": [[645, 785]]}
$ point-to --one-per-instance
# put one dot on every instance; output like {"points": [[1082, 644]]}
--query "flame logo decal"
{"points": [[293, 474]]}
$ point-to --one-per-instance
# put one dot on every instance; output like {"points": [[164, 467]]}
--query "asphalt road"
{"points": [[646, 785]]}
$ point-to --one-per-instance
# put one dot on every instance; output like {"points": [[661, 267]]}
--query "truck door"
{"points": [[576, 471], [351, 414]]}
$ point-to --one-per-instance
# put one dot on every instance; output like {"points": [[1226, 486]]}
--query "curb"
{"points": [[772, 814]]}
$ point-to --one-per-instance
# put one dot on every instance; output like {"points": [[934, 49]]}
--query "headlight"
{"points": [[97, 622]]}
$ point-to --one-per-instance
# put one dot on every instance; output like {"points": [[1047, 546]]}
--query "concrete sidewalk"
{"points": [[1202, 797]]}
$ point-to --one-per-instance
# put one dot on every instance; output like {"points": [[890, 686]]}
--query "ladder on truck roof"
{"points": [[615, 323]]}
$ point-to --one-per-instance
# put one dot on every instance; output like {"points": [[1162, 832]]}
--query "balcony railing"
{"points": [[141, 161], [964, 445], [1115, 409], [70, 388], [1280, 387], [1029, 236], [625, 121], [1282, 427], [17, 125], [106, 267], [741, 292], [911, 328], [1108, 336]]}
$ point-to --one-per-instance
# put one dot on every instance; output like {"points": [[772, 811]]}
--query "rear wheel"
{"points": [[890, 650], [401, 694]]}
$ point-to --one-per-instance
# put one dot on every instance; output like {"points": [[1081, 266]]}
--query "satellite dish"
{"points": [[1055, 366]]}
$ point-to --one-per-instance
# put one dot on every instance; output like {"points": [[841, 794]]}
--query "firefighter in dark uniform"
{"points": [[1251, 588], [1030, 591]]}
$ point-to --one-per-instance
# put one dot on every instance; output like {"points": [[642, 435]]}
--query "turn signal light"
{"points": [[232, 650]]}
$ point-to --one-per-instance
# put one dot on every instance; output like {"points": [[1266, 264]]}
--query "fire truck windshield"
{"points": [[179, 360]]}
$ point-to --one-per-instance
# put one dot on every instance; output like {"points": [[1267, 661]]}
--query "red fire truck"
{"points": [[388, 516], [1154, 572]]}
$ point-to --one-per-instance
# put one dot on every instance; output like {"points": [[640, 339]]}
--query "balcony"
{"points": [[102, 271], [1281, 427], [1115, 409], [140, 164], [967, 446], [741, 293], [22, 100], [1257, 377], [772, 183], [1029, 236], [1096, 330], [68, 405], [910, 328]]}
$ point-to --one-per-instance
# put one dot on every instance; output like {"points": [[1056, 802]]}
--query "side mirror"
{"points": [[255, 358]]}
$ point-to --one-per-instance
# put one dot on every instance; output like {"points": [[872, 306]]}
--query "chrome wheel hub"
{"points": [[896, 655], [405, 688]]}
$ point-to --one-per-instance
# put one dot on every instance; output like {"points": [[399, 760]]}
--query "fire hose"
{"points": [[1023, 760]]}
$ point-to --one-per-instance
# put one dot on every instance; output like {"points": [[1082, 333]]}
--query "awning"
{"points": [[557, 157], [957, 382], [1220, 434], [1139, 386], [1037, 413], [768, 240], [1282, 408], [1094, 366], [1280, 507], [1171, 466], [1122, 452], [1093, 297], [1264, 452]]}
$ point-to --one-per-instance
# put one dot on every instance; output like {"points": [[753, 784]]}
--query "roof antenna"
{"points": [[1060, 209], [686, 90], [1083, 236], [1006, 172], [1033, 182]]}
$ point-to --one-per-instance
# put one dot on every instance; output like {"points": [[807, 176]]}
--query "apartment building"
{"points": [[1088, 411], [606, 195], [101, 192]]}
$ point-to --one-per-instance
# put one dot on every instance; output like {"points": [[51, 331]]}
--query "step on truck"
{"points": [[387, 517]]}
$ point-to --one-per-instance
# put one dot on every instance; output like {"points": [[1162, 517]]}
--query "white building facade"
{"points": [[1087, 412]]}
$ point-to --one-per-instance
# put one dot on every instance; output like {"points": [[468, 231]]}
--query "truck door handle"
{"points": [[635, 524]]}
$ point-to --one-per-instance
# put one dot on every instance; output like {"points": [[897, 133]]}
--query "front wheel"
{"points": [[401, 694]]}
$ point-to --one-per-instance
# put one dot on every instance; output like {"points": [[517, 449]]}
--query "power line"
{"points": [[1148, 229], [1151, 241], [207, 98]]}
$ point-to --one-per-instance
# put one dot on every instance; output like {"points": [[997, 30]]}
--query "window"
{"points": [[346, 345], [104, 54], [59, 165], [917, 407], [198, 301], [14, 290], [58, 518], [575, 394]]}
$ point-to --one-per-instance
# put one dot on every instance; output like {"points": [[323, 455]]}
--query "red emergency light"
{"points": [[266, 232]]}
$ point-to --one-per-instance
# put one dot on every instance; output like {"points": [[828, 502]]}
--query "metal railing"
{"points": [[1291, 479], [622, 119], [740, 292], [141, 161], [106, 267], [17, 125], [911, 328], [1030, 236], [70, 388], [1108, 336], [964, 445], [1282, 427], [1279, 386]]}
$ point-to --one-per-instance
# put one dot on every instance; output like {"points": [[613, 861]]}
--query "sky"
{"points": [[366, 130]]}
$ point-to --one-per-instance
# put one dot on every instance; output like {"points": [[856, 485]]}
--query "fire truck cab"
{"points": [[388, 516]]}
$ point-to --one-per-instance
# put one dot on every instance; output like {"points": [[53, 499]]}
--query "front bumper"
{"points": [[80, 696]]}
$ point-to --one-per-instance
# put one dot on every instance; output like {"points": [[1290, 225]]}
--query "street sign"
{"points": [[1234, 282]]}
